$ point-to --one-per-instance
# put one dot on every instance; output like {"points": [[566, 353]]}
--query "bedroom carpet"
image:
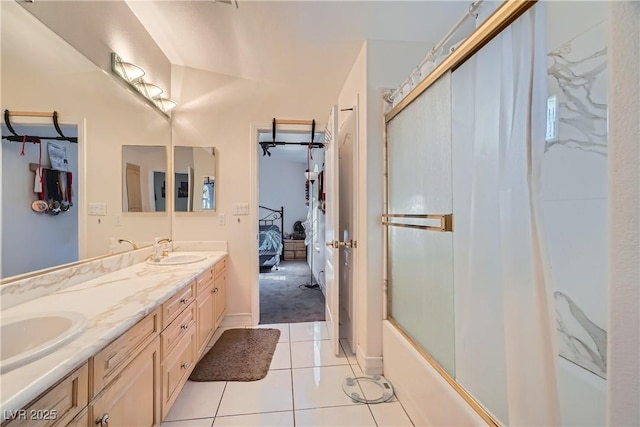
{"points": [[238, 355], [282, 300]]}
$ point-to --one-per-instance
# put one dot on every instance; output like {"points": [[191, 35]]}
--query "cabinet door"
{"points": [[133, 398], [205, 318], [57, 406], [176, 369], [220, 297]]}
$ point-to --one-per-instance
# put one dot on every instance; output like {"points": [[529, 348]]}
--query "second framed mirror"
{"points": [[194, 179]]}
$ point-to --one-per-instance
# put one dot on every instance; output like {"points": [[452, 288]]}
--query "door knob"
{"points": [[336, 244]]}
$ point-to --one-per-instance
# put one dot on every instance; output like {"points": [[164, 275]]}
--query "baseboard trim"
{"points": [[370, 365], [235, 320]]}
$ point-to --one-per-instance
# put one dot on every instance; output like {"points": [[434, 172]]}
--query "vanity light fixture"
{"points": [[149, 89], [166, 104], [133, 76]]}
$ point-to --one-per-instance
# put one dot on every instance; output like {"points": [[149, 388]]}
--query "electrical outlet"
{"points": [[118, 221], [221, 219]]}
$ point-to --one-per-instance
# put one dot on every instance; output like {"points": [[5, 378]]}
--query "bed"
{"points": [[270, 241]]}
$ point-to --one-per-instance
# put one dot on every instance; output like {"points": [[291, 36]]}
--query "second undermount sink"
{"points": [[26, 338], [177, 259]]}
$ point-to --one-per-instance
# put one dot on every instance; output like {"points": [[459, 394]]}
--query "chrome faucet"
{"points": [[128, 241]]}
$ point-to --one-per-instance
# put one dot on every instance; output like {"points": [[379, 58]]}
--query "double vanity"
{"points": [[108, 342]]}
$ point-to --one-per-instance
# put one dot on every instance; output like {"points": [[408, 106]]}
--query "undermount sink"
{"points": [[29, 337], [177, 259]]}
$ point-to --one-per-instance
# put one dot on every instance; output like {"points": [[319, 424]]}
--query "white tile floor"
{"points": [[303, 388]]}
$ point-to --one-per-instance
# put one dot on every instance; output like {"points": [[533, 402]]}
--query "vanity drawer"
{"points": [[59, 405], [114, 357], [177, 329], [173, 307], [203, 281], [176, 369], [220, 266]]}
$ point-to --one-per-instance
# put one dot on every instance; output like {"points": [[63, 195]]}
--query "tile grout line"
{"points": [[220, 403], [293, 398], [360, 387]]}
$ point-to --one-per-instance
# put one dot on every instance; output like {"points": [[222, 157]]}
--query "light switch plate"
{"points": [[241, 208], [97, 209]]}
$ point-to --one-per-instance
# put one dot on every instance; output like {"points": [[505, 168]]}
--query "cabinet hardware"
{"points": [[215, 291], [185, 365], [185, 327], [183, 300], [104, 421]]}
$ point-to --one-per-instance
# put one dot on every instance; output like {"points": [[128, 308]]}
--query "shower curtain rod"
{"points": [[473, 7]]}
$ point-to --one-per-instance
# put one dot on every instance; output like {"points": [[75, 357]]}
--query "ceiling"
{"points": [[290, 42]]}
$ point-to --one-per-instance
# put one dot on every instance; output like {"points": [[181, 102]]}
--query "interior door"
{"points": [[191, 193], [332, 227], [347, 147], [134, 190]]}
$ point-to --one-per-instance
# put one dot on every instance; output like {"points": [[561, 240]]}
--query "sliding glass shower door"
{"points": [[420, 255]]}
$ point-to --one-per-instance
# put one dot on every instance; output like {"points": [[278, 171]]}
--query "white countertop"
{"points": [[111, 303]]}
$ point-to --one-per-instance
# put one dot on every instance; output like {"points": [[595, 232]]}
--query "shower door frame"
{"points": [[506, 14]]}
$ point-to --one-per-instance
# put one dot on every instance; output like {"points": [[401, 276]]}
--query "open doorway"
{"points": [[40, 221], [290, 230]]}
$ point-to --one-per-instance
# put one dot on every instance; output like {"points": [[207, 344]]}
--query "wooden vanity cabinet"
{"points": [[205, 313], [111, 360], [220, 291], [58, 406], [179, 348], [132, 398], [135, 379]]}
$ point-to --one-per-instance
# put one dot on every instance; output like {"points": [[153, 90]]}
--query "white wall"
{"points": [[281, 183], [97, 28], [623, 388], [41, 72], [220, 110], [379, 66], [33, 241]]}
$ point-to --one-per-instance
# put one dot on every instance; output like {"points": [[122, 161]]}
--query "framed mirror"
{"points": [[195, 179], [144, 180]]}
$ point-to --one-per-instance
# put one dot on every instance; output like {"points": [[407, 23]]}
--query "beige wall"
{"points": [[380, 65], [623, 385], [219, 110], [41, 72]]}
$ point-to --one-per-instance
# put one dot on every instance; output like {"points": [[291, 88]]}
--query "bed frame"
{"points": [[273, 217]]}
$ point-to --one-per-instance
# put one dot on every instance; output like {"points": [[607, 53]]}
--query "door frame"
{"points": [[355, 217], [255, 129], [80, 201]]}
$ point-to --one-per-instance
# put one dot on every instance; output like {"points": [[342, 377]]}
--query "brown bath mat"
{"points": [[238, 355]]}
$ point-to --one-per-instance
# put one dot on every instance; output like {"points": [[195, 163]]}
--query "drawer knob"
{"points": [[215, 291], [183, 300], [185, 326], [185, 365], [104, 421]]}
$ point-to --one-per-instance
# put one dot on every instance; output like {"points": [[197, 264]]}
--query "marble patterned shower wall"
{"points": [[575, 197]]}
